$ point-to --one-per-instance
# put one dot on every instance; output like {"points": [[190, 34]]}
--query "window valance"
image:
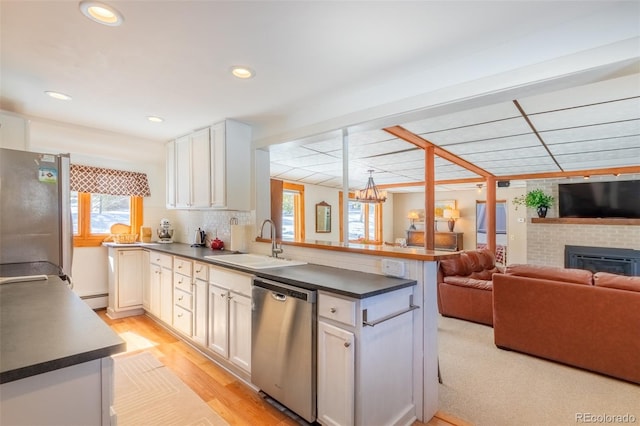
{"points": [[98, 180]]}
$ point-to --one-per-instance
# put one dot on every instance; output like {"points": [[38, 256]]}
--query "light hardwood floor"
{"points": [[236, 402]]}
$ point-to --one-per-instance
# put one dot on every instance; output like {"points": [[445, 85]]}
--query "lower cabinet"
{"points": [[200, 303], [126, 276], [365, 359], [230, 316], [161, 286], [336, 375]]}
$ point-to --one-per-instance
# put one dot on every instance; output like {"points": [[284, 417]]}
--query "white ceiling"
{"points": [[321, 66]]}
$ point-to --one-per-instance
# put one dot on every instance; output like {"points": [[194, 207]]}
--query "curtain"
{"points": [[98, 180]]}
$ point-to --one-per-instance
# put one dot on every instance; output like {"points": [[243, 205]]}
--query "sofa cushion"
{"points": [[575, 276], [469, 282], [605, 279]]}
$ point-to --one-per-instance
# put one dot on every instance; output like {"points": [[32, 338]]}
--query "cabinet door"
{"points": [[240, 331], [171, 174], [336, 375], [166, 296], [183, 172], [200, 169], [146, 280], [155, 284], [200, 304], [219, 320], [129, 278], [218, 166]]}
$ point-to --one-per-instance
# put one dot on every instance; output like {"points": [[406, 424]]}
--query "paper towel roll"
{"points": [[239, 238]]}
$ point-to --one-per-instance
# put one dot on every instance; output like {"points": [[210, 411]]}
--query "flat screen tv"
{"points": [[617, 199]]}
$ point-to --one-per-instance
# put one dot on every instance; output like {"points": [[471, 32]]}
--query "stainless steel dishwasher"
{"points": [[283, 345]]}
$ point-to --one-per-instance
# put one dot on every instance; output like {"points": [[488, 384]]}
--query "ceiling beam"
{"points": [[404, 134], [535, 132], [590, 172]]}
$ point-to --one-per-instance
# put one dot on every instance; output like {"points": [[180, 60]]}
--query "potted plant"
{"points": [[536, 199]]}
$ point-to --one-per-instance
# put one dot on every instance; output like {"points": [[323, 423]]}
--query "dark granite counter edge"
{"points": [[56, 364], [186, 251]]}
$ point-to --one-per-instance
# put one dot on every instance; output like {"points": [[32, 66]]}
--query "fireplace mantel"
{"points": [[584, 221]]}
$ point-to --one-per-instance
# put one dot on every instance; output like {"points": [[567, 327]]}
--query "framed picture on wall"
{"points": [[441, 205]]}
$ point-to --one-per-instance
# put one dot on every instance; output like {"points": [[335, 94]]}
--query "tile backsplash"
{"points": [[215, 223]]}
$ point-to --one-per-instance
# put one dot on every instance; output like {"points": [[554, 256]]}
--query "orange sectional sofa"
{"points": [[590, 321]]}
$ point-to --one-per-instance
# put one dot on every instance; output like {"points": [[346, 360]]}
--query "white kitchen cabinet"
{"points": [[161, 286], [365, 372], [182, 295], [200, 303], [230, 316], [336, 375], [170, 152], [126, 279], [210, 168], [146, 280]]}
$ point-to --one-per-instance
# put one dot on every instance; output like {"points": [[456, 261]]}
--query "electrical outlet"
{"points": [[394, 268], [521, 220]]}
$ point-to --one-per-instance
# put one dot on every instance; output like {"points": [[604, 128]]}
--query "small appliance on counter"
{"points": [[200, 239], [165, 232], [217, 244]]}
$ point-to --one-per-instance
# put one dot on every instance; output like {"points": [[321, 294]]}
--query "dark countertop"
{"points": [[45, 326], [358, 285]]}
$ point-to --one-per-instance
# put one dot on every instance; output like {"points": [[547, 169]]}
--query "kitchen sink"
{"points": [[255, 261]]}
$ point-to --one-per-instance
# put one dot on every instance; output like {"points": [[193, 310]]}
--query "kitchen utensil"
{"points": [[217, 244], [199, 239]]}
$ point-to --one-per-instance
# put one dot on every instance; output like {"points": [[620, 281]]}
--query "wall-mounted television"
{"points": [[616, 199]]}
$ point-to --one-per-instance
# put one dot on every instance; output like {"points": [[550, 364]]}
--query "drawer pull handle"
{"points": [[347, 344], [411, 307], [181, 297], [179, 266], [333, 310], [179, 315]]}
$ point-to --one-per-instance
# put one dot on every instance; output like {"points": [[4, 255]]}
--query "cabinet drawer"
{"points": [[201, 271], [183, 266], [163, 260], [234, 281], [182, 320], [182, 282], [182, 299], [337, 309]]}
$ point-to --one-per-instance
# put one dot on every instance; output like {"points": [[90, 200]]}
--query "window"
{"points": [[93, 215], [101, 198], [365, 222], [292, 212]]}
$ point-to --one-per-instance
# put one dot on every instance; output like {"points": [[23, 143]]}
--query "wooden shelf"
{"points": [[584, 221]]}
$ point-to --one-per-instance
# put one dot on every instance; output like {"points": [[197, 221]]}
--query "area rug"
{"points": [[487, 386], [148, 393]]}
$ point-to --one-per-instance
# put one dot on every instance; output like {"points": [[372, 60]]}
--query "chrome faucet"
{"points": [[275, 250]]}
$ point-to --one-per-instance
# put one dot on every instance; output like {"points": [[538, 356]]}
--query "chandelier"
{"points": [[371, 194]]}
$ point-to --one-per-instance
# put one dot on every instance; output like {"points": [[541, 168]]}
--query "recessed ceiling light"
{"points": [[101, 13], [242, 72], [155, 119], [58, 95]]}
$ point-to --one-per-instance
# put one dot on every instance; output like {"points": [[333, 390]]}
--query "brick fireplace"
{"points": [[603, 259]]}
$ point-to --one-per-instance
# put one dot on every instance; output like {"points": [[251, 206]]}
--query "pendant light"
{"points": [[371, 194]]}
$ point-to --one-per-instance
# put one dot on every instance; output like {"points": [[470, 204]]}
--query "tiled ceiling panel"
{"points": [[486, 131], [495, 112], [307, 160], [494, 145], [593, 132], [507, 155], [628, 142], [610, 112]]}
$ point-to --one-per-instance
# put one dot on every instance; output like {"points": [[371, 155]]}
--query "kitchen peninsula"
{"points": [[55, 364], [362, 291]]}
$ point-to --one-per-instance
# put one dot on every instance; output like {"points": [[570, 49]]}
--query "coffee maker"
{"points": [[165, 231]]}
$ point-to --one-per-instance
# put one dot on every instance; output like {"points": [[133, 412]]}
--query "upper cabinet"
{"points": [[211, 168]]}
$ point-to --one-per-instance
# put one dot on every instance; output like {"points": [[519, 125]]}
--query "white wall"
{"points": [[314, 194]]}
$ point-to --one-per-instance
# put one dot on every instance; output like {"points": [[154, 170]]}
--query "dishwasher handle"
{"points": [[279, 296]]}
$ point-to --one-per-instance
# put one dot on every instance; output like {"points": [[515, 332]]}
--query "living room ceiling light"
{"points": [[101, 13], [59, 96], [242, 72], [371, 194], [155, 119]]}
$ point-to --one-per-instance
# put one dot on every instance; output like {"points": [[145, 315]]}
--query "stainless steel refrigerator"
{"points": [[36, 231]]}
